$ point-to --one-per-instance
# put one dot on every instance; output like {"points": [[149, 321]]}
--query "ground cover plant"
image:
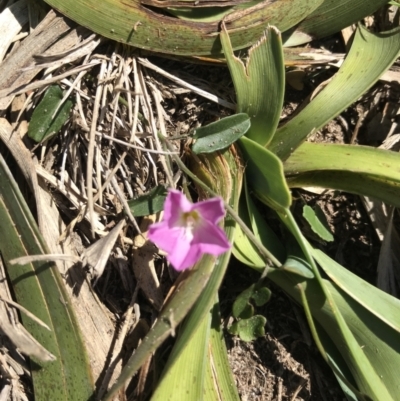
{"points": [[101, 156]]}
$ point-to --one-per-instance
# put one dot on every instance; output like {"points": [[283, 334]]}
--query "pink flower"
{"points": [[188, 230]]}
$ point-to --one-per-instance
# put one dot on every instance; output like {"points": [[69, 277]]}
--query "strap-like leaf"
{"points": [[369, 57], [39, 288], [131, 23], [358, 169], [331, 17]]}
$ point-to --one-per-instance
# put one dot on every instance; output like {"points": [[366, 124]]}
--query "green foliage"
{"points": [[265, 175], [335, 326], [256, 293], [348, 168], [50, 115], [39, 288], [249, 329], [247, 325], [370, 56], [330, 17], [150, 203], [317, 221], [220, 134], [259, 83], [138, 26]]}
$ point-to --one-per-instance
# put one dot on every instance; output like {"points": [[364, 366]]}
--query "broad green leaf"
{"points": [[220, 134], [150, 203], [249, 329], [362, 170], [261, 296], [50, 115], [264, 173], [331, 17], [199, 285], [242, 307], [39, 288], [136, 25], [314, 220], [298, 266], [295, 262], [246, 252], [243, 249], [260, 83], [369, 57], [380, 304]]}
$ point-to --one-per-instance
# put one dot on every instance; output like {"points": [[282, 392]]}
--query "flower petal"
{"points": [[211, 209], [175, 204], [171, 235], [164, 237], [211, 239], [185, 255], [180, 252]]}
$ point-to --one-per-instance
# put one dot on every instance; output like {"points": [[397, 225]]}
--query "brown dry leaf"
{"points": [[388, 268], [295, 78], [389, 259], [143, 264], [12, 19], [97, 255], [54, 38]]}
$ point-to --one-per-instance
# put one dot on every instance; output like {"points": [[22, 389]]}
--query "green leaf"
{"points": [[357, 169], [382, 305], [261, 295], [249, 329], [261, 229], [198, 366], [316, 224], [39, 288], [264, 173], [150, 203], [219, 377], [369, 57], [331, 17], [260, 84], [318, 292], [243, 249], [220, 134], [242, 307], [183, 377], [138, 26], [298, 266], [44, 123]]}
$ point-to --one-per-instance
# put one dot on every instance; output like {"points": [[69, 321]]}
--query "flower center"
{"points": [[189, 221]]}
